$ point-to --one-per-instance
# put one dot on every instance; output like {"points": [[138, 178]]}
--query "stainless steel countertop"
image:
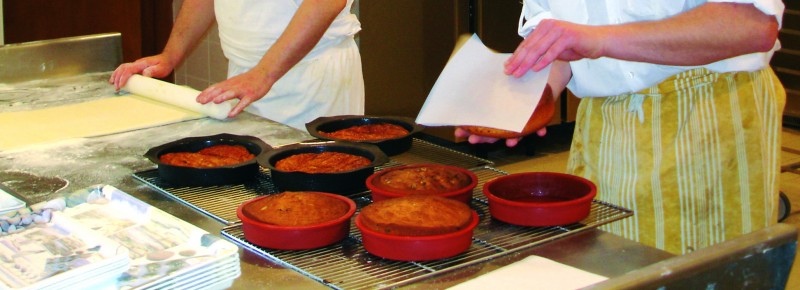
{"points": [[40, 173]]}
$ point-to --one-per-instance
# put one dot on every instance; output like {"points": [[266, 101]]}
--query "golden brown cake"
{"points": [[213, 156], [296, 209], [422, 179], [368, 132], [325, 162], [416, 215]]}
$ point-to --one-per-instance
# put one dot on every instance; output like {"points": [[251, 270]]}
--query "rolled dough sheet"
{"points": [[93, 118]]}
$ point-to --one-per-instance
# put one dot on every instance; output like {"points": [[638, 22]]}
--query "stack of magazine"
{"points": [[59, 254], [101, 237]]}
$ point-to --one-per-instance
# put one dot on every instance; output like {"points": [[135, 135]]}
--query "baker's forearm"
{"points": [[711, 32], [193, 20], [304, 31], [560, 74]]}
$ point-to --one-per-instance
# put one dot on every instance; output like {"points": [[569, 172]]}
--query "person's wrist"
{"points": [[172, 58]]}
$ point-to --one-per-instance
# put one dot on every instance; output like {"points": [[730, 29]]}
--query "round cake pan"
{"points": [[539, 198], [391, 147], [345, 182], [417, 248], [296, 237], [222, 175]]}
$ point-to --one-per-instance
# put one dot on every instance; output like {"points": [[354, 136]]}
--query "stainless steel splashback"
{"points": [[60, 57]]}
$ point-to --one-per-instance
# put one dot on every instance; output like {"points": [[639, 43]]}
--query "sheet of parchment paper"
{"points": [[473, 90]]}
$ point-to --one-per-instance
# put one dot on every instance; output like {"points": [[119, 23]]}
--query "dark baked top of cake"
{"points": [[213, 156], [423, 179], [324, 162], [368, 132]]}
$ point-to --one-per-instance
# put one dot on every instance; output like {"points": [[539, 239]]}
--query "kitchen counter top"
{"points": [[43, 172]]}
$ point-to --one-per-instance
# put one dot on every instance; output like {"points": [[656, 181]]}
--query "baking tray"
{"points": [[347, 265], [220, 202]]}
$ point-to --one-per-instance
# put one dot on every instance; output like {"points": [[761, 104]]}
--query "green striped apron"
{"points": [[696, 157]]}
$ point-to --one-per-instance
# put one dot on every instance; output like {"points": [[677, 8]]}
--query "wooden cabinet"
{"points": [[406, 44], [404, 47], [786, 62], [144, 24]]}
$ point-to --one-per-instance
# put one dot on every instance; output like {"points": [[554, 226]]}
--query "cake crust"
{"points": [[296, 209], [324, 162], [416, 215], [423, 179], [213, 156], [368, 132]]}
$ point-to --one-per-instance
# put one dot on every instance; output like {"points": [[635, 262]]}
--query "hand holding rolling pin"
{"points": [[157, 66], [247, 87]]}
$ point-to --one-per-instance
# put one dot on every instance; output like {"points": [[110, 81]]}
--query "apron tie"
{"points": [[636, 102], [635, 106]]}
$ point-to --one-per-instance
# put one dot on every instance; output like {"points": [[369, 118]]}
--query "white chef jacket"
{"points": [[328, 81], [608, 77]]}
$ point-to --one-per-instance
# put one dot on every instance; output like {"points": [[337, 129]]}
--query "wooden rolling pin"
{"points": [[181, 96]]}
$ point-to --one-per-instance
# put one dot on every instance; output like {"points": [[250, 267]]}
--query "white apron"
{"points": [[328, 81]]}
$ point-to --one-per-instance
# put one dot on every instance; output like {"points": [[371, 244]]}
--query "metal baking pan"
{"points": [[220, 202], [222, 175], [345, 182], [391, 146]]}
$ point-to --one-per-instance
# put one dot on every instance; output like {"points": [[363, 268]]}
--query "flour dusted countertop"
{"points": [[39, 171]]}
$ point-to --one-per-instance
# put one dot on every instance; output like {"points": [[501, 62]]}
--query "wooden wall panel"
{"points": [[142, 23], [404, 47], [786, 62]]}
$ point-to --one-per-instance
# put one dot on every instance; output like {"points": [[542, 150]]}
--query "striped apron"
{"points": [[696, 157]]}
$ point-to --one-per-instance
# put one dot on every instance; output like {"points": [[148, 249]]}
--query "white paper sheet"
{"points": [[533, 273], [473, 90]]}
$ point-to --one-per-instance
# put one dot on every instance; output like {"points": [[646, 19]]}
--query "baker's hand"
{"points": [[157, 66], [556, 40], [475, 139], [247, 87]]}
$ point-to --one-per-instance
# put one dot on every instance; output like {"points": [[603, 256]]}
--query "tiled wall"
{"points": [[207, 65]]}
